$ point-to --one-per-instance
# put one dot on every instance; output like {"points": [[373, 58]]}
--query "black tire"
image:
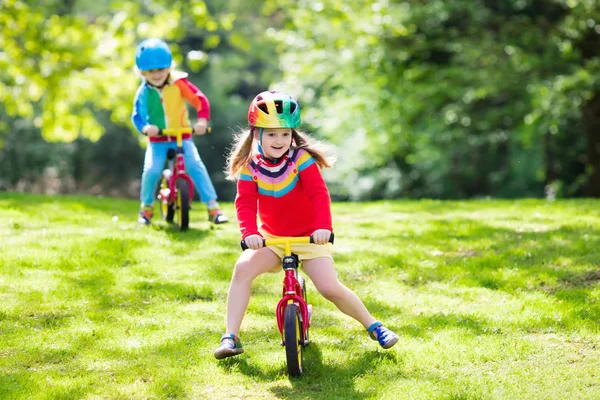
{"points": [[302, 282], [170, 213], [292, 333], [167, 211], [183, 204]]}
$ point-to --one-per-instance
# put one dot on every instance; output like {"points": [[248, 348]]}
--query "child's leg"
{"points": [[197, 171], [204, 186], [321, 272], [154, 163], [251, 264]]}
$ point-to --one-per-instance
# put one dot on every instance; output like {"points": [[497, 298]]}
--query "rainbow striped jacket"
{"points": [[166, 107], [290, 197]]}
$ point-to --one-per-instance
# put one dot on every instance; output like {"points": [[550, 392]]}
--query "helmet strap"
{"points": [[260, 150]]}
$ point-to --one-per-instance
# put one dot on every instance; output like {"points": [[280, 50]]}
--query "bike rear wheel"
{"points": [[292, 333], [183, 204]]}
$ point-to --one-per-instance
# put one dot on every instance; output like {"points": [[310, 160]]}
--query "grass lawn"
{"points": [[491, 299]]}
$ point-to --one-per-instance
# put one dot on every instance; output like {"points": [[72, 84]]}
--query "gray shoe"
{"points": [[230, 346], [216, 216]]}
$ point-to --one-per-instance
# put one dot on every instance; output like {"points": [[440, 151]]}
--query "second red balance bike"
{"points": [[293, 312], [176, 187]]}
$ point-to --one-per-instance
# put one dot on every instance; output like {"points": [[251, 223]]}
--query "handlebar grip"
{"points": [[330, 239], [245, 246]]}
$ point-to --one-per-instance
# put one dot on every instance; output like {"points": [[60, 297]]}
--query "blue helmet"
{"points": [[153, 54]]}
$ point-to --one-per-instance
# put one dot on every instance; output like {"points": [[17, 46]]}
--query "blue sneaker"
{"points": [[230, 346], [384, 336]]}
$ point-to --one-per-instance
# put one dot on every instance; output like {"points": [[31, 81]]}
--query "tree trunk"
{"points": [[591, 127], [549, 159]]}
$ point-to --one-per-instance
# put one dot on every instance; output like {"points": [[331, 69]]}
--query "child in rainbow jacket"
{"points": [[160, 103]]}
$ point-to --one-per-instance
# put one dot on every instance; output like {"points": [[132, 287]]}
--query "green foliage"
{"points": [[422, 99], [442, 91], [85, 83], [58, 66]]}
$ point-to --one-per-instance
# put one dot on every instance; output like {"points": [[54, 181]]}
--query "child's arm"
{"points": [[195, 97], [316, 190], [139, 115], [246, 203]]}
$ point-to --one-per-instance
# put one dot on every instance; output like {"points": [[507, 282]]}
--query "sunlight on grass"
{"points": [[492, 300]]}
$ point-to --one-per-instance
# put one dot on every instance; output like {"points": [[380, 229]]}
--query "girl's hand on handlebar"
{"points": [[201, 126], [151, 130], [254, 242], [321, 236]]}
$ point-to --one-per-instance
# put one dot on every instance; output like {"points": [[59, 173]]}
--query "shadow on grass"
{"points": [[561, 263], [334, 381], [100, 285], [425, 325], [72, 207], [240, 363], [319, 380], [537, 260], [31, 203], [190, 235]]}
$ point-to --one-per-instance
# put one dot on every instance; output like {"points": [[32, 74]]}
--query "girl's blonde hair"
{"points": [[242, 151]]}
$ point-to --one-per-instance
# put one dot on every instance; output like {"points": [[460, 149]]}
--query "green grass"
{"points": [[491, 299]]}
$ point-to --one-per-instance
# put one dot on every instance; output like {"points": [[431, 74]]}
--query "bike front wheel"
{"points": [[302, 282], [292, 333], [167, 209], [183, 204]]}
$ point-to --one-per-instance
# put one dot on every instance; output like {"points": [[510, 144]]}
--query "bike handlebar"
{"points": [[176, 131], [285, 240]]}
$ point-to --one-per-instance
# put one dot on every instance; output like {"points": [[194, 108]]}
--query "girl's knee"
{"points": [[331, 290], [244, 270]]}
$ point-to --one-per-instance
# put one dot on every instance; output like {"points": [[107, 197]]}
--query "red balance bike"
{"points": [[176, 187], [293, 312]]}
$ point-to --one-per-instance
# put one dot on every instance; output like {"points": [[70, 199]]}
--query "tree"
{"points": [[67, 71], [451, 99]]}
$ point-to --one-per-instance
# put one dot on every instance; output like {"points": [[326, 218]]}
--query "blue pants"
{"points": [[154, 163]]}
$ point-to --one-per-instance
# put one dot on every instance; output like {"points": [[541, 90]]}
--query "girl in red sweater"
{"points": [[278, 175]]}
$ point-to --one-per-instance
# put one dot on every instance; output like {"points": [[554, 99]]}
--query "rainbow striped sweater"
{"points": [[165, 107], [290, 196]]}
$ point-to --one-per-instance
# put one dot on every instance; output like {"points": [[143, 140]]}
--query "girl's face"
{"points": [[157, 77], [275, 141]]}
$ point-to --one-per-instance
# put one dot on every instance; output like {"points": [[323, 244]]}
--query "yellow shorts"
{"points": [[305, 251]]}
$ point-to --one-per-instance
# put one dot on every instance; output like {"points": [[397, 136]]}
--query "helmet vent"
{"points": [[279, 106], [263, 108], [292, 107]]}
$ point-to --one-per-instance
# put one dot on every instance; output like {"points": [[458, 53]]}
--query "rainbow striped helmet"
{"points": [[272, 109]]}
